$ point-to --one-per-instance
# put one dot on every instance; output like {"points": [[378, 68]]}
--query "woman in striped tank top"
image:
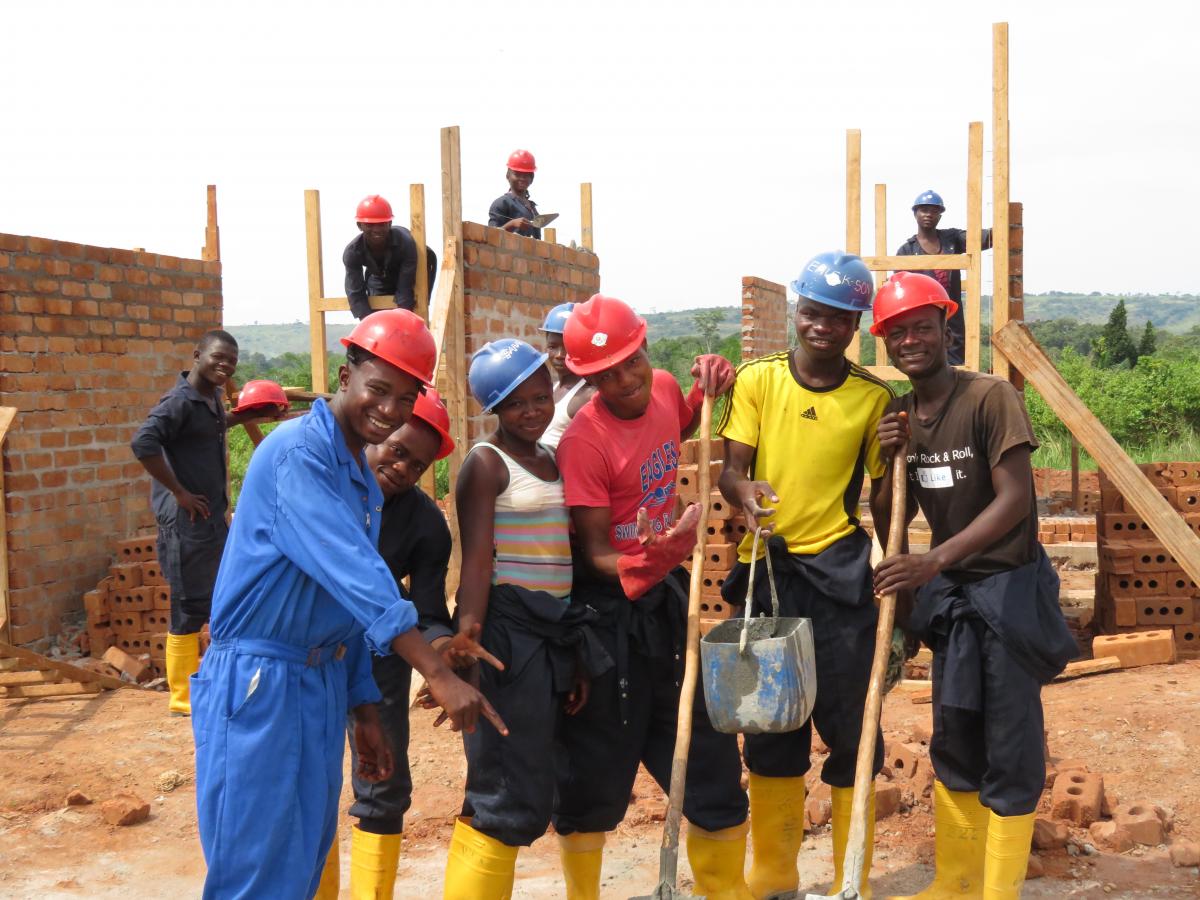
{"points": [[515, 582]]}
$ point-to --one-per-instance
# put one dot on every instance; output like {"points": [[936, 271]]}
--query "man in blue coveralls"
{"points": [[302, 598]]}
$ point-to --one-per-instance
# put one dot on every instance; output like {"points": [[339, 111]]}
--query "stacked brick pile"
{"points": [[131, 606], [1140, 587], [765, 326], [725, 529], [1064, 529]]}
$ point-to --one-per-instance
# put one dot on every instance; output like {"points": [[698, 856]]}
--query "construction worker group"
{"points": [[560, 656]]}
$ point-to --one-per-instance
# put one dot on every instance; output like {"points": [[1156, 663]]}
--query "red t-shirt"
{"points": [[626, 464]]}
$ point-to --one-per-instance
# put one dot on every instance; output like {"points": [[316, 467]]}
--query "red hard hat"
{"points": [[372, 210], [260, 392], [521, 161], [399, 337], [430, 409], [905, 291], [600, 333]]}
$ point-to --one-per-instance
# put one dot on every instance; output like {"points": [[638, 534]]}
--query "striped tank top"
{"points": [[531, 533]]}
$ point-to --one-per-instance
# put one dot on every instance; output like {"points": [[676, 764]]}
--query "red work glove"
{"points": [[714, 376], [660, 553]]}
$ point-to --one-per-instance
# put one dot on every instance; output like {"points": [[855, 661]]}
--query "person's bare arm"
{"points": [[742, 493], [1010, 481], [592, 527]]}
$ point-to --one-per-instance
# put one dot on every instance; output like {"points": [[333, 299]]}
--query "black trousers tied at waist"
{"points": [[543, 642], [995, 642]]}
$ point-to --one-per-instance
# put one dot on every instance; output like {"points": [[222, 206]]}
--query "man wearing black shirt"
{"points": [[930, 241], [513, 210], [380, 260]]}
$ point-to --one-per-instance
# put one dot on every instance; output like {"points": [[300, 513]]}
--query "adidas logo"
{"points": [[810, 413]]}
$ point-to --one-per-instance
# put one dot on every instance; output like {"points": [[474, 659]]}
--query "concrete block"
{"points": [[130, 665], [161, 598], [1049, 834], [718, 507], [902, 758], [1139, 648], [127, 576], [152, 573], [95, 605], [713, 606], [1111, 836], [1153, 558], [1077, 796], [1141, 821], [720, 556], [1165, 611], [887, 799]]}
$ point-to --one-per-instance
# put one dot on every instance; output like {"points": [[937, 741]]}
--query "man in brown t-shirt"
{"points": [[986, 595]]}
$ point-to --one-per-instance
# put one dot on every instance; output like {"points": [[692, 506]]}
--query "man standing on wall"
{"points": [[931, 241], [382, 259]]}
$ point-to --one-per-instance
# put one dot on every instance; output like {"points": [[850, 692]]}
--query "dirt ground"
{"points": [[1138, 727]]}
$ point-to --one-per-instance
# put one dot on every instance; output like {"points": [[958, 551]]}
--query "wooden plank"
{"points": [[342, 304], [1000, 267], [854, 212], [880, 250], [585, 215], [1019, 348], [1088, 667], [8, 415], [35, 676], [316, 287], [37, 661], [49, 690], [1076, 496], [447, 284], [921, 263], [972, 296], [9, 665], [416, 225], [453, 388], [212, 233]]}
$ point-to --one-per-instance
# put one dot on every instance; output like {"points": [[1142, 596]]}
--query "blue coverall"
{"points": [[302, 598]]}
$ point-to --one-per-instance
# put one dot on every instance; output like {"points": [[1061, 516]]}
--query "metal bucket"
{"points": [[760, 675]]}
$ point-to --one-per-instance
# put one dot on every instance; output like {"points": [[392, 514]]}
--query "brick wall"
{"points": [[764, 317], [90, 338], [511, 282]]}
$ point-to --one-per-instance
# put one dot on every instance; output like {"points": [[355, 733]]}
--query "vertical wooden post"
{"points": [[316, 288], [972, 299], [455, 351], [881, 249], [1076, 498], [1016, 277], [212, 234], [416, 219], [550, 235], [7, 414], [854, 212], [585, 215], [1000, 296]]}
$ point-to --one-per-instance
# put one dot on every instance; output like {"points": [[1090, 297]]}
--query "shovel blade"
{"points": [[667, 891]]}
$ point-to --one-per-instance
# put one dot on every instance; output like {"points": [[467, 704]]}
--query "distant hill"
{"points": [[1173, 312]]}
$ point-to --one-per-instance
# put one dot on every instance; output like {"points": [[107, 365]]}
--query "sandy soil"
{"points": [[1139, 728]]}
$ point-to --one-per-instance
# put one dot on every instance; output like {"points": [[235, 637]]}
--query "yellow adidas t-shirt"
{"points": [[812, 446]]}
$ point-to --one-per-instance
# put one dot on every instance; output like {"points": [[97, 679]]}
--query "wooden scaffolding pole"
{"points": [[212, 233], [453, 371], [416, 225], [585, 215], [854, 212], [1000, 288], [316, 287], [880, 249], [972, 297]]}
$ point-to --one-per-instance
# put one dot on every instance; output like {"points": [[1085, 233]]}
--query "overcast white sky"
{"points": [[714, 134]]}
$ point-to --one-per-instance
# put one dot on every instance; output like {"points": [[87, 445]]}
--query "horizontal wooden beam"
{"points": [[1017, 344], [8, 679], [918, 263], [342, 304], [49, 690], [37, 661]]}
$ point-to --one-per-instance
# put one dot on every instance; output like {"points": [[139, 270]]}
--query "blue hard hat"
{"points": [[556, 319], [929, 198], [837, 279], [499, 368]]}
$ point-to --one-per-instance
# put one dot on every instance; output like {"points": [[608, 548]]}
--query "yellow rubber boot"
{"points": [[776, 832], [582, 854], [1007, 856], [373, 861], [960, 844], [843, 803], [331, 875], [718, 860], [478, 867], [183, 659]]}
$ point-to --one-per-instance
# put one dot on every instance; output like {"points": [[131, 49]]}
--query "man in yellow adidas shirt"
{"points": [[800, 429]]}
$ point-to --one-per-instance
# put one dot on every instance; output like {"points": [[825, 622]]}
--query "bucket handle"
{"points": [[750, 589]]}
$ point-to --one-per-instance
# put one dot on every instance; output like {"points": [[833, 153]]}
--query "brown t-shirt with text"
{"points": [[950, 462]]}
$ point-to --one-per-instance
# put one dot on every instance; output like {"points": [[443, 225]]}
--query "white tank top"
{"points": [[562, 417]]}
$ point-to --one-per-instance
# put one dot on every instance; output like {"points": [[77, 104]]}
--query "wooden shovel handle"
{"points": [[856, 843]]}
